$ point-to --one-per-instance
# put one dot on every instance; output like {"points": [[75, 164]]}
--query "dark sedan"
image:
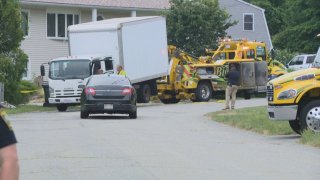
{"points": [[108, 93]]}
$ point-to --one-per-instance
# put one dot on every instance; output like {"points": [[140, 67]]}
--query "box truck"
{"points": [[138, 44]]}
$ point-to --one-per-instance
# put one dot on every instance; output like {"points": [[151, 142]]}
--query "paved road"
{"points": [[165, 142]]}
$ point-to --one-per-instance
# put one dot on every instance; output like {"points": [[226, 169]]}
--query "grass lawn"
{"points": [[34, 108], [29, 108], [256, 119]]}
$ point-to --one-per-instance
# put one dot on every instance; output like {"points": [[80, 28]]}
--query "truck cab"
{"points": [[295, 97], [67, 77]]}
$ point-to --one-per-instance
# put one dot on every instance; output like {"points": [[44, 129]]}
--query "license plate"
{"points": [[108, 106]]}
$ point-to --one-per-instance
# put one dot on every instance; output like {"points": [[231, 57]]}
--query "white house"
{"points": [[45, 23]]}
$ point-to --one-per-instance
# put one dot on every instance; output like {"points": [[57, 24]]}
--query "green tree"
{"points": [[302, 19], [12, 58], [10, 24], [197, 24]]}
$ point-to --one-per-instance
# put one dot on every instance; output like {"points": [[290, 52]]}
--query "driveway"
{"points": [[165, 142]]}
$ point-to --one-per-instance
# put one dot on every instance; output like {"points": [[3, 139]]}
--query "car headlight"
{"points": [[51, 91], [288, 94]]}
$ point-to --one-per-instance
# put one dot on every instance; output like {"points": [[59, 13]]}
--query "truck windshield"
{"points": [[69, 69], [317, 60]]}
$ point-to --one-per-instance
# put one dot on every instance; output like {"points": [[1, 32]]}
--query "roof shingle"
{"points": [[144, 4]]}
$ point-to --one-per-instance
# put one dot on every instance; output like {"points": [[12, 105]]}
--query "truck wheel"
{"points": [[144, 94], [246, 95], [170, 101], [62, 107], [133, 115], [295, 126], [203, 92], [84, 114], [310, 116]]}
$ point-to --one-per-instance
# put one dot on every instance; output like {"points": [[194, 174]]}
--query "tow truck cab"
{"points": [[295, 97]]}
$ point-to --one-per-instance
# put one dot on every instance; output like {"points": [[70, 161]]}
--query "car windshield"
{"points": [[69, 69], [108, 80], [317, 60]]}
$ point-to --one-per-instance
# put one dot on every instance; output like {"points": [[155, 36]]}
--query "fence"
{"points": [[1, 92]]}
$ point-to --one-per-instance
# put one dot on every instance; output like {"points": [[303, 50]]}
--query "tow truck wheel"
{"points": [[295, 126], [203, 92], [310, 116], [170, 101], [62, 107], [144, 94], [84, 114]]}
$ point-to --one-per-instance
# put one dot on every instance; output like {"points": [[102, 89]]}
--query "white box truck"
{"points": [[138, 44]]}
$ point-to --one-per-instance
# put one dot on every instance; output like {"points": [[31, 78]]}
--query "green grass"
{"points": [[256, 119], [29, 108], [253, 119], [310, 138]]}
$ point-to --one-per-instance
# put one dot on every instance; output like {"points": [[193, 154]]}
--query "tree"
{"points": [[196, 24], [12, 58], [10, 24], [302, 25]]}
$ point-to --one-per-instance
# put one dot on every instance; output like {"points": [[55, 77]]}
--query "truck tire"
{"points": [[310, 116], [84, 114], [170, 101], [144, 94], [246, 95], [295, 126], [62, 107], [203, 92]]}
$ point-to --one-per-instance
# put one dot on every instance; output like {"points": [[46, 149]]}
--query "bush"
{"points": [[284, 56]]}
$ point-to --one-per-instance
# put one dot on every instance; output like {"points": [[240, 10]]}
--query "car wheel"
{"points": [[144, 94], [203, 92], [62, 107], [170, 101], [84, 114], [133, 115], [295, 126], [310, 116]]}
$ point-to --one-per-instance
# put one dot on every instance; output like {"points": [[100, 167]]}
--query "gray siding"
{"points": [[236, 9]]}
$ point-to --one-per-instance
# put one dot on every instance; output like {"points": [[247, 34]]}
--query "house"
{"points": [[45, 23], [252, 23]]}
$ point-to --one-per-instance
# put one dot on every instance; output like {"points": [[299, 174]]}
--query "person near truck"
{"points": [[9, 167], [233, 77], [120, 71]]}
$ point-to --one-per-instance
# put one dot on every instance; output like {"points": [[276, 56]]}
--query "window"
{"points": [[248, 22], [261, 52], [57, 24], [298, 60], [25, 22], [25, 75], [310, 59]]}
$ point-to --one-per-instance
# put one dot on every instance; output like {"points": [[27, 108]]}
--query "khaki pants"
{"points": [[231, 91]]}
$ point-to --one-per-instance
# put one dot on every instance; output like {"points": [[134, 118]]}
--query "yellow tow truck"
{"points": [[198, 78], [295, 97]]}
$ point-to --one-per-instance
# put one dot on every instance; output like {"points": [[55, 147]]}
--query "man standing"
{"points": [[9, 167], [233, 77], [120, 71]]}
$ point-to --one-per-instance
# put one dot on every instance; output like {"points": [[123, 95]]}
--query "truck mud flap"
{"points": [[248, 74], [261, 73]]}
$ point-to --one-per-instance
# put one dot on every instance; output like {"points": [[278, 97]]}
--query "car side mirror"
{"points": [[42, 70]]}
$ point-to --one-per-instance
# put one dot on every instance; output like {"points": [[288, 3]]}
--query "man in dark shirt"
{"points": [[233, 77], [9, 168]]}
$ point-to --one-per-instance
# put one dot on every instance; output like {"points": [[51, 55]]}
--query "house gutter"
{"points": [[88, 6]]}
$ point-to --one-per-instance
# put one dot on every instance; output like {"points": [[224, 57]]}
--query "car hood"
{"points": [[291, 76]]}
